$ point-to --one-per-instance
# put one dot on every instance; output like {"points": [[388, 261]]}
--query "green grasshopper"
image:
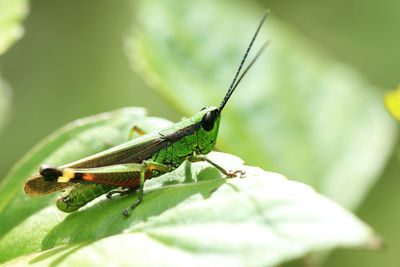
{"points": [[128, 165]]}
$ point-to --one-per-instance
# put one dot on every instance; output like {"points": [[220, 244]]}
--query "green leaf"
{"points": [[193, 217], [297, 112], [188, 217], [11, 14]]}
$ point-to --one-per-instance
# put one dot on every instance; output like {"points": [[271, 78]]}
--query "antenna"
{"points": [[234, 84], [251, 64]]}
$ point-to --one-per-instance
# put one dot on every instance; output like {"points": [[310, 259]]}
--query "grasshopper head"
{"points": [[209, 118]]}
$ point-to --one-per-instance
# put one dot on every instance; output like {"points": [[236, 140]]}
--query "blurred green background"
{"points": [[70, 64]]}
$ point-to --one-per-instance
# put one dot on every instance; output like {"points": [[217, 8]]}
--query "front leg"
{"points": [[135, 129], [198, 158]]}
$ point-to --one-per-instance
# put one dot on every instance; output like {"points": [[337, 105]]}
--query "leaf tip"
{"points": [[375, 242]]}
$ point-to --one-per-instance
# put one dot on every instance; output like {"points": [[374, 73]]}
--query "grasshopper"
{"points": [[128, 165]]}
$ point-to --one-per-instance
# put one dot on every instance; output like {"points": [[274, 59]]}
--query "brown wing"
{"points": [[36, 185], [133, 151], [129, 152]]}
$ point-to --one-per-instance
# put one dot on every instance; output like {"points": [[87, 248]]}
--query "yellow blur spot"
{"points": [[392, 103], [62, 179], [68, 174]]}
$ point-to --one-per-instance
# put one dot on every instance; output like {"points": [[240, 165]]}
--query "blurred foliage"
{"points": [[235, 220], [363, 33], [70, 64], [11, 14], [305, 115]]}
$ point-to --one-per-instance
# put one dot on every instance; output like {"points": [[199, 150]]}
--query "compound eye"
{"points": [[208, 120]]}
